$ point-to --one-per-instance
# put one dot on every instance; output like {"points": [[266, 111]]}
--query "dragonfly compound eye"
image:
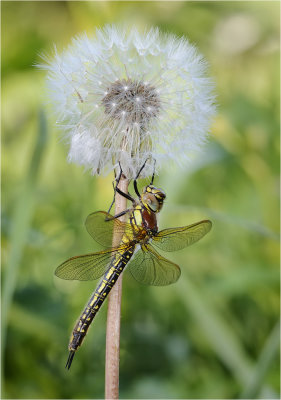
{"points": [[151, 202]]}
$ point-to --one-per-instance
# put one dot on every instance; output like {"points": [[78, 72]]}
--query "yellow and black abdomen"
{"points": [[116, 267]]}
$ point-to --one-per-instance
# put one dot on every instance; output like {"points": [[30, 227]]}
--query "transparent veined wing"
{"points": [[150, 268], [102, 230], [87, 267], [178, 238]]}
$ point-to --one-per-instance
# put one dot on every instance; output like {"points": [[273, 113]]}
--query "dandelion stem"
{"points": [[113, 313]]}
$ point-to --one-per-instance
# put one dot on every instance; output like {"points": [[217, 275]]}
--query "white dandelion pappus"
{"points": [[128, 96]]}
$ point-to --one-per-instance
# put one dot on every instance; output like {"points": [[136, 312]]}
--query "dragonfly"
{"points": [[136, 251]]}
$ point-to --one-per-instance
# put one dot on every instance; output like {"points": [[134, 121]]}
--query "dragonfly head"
{"points": [[152, 198]]}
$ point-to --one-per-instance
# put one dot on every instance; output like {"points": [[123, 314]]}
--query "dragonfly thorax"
{"points": [[152, 198]]}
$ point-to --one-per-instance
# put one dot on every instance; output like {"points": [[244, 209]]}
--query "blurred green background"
{"points": [[214, 334]]}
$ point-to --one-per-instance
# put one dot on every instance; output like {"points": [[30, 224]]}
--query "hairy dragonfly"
{"points": [[136, 249]]}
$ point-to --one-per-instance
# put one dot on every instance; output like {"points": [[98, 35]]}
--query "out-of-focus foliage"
{"points": [[214, 334]]}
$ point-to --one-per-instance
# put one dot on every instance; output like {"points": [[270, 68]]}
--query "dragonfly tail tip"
{"points": [[70, 358]]}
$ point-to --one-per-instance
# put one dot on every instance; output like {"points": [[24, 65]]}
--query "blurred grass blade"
{"points": [[267, 355], [34, 325], [217, 332], [20, 224], [220, 336]]}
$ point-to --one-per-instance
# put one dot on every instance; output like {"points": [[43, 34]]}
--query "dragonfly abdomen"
{"points": [[115, 269]]}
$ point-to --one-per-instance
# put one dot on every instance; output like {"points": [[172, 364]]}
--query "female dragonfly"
{"points": [[139, 233]]}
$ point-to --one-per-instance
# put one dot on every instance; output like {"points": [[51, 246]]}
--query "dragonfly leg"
{"points": [[136, 178], [152, 178], [138, 174], [113, 200], [110, 218], [117, 180], [127, 195], [117, 190]]}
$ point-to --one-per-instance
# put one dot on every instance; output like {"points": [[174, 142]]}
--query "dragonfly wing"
{"points": [[87, 267], [150, 268], [102, 230], [178, 238]]}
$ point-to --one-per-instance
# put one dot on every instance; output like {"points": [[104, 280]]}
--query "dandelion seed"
{"points": [[126, 96]]}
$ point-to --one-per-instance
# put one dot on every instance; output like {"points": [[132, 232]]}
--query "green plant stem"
{"points": [[114, 313]]}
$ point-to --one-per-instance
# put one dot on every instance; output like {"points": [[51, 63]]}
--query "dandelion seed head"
{"points": [[125, 96]]}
